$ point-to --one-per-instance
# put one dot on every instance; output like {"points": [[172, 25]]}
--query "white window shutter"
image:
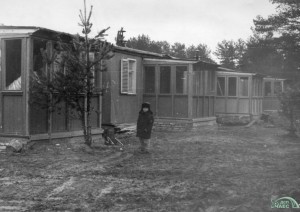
{"points": [[124, 76], [134, 78]]}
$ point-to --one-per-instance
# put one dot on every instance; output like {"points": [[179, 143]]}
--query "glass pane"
{"points": [[232, 86], [212, 80], [131, 77], [13, 63], [267, 91], [38, 65], [221, 86], [165, 79], [181, 79], [196, 83], [202, 82], [149, 79], [244, 86], [130, 82], [277, 87]]}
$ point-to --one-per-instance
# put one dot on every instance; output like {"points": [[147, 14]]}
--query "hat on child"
{"points": [[146, 105]]}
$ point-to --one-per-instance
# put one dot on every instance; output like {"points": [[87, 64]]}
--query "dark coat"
{"points": [[144, 124]]}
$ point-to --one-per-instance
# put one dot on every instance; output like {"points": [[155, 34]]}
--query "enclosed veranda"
{"points": [[181, 92], [239, 94], [271, 87], [21, 57]]}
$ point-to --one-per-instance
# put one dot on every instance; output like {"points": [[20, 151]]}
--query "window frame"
{"points": [[170, 80], [224, 88], [4, 57], [184, 85], [264, 91], [236, 87], [124, 90], [154, 85], [240, 87]]}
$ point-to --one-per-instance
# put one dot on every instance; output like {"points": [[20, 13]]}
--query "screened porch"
{"points": [[180, 89]]}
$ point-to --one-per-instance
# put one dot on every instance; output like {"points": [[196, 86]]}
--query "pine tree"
{"points": [[78, 60], [282, 31]]}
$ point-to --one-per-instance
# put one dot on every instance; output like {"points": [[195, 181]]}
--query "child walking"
{"points": [[144, 126]]}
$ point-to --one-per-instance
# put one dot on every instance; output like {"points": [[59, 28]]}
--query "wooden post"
{"points": [[190, 91], [2, 56], [250, 96], [49, 51], [173, 88], [28, 70], [157, 84]]}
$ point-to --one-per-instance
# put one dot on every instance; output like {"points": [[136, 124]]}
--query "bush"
{"points": [[290, 106]]}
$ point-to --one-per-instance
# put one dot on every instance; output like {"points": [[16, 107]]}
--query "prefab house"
{"points": [[271, 87], [239, 93], [181, 92], [123, 85], [20, 58]]}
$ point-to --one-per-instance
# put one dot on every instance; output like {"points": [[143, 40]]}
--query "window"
{"points": [[244, 86], [277, 87], [221, 86], [128, 76], [268, 90], [149, 85], [181, 79], [13, 63], [38, 64], [212, 80], [232, 82], [165, 79], [196, 82], [92, 59]]}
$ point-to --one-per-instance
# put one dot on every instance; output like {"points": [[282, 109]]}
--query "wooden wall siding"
{"points": [[220, 105], [180, 106], [203, 107], [271, 103], [106, 98], [95, 113], [123, 108], [38, 120], [212, 106], [244, 106], [164, 108], [232, 105], [59, 119], [13, 114]]}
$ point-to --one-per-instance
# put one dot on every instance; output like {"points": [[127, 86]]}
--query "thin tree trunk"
{"points": [[50, 118]]}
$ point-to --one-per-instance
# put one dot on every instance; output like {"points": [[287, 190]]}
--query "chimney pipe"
{"points": [[197, 55]]}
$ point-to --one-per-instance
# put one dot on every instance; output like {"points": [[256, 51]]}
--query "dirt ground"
{"points": [[219, 169]]}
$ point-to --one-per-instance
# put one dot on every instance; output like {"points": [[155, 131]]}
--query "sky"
{"points": [[185, 21]]}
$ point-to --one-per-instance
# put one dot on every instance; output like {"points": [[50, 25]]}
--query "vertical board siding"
{"points": [[122, 108], [38, 120], [164, 106], [13, 114], [231, 105], [59, 118], [243, 106], [180, 106]]}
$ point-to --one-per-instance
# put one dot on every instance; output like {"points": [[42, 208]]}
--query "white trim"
{"points": [[166, 61]]}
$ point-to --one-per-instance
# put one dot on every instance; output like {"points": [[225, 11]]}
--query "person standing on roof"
{"points": [[144, 126]]}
